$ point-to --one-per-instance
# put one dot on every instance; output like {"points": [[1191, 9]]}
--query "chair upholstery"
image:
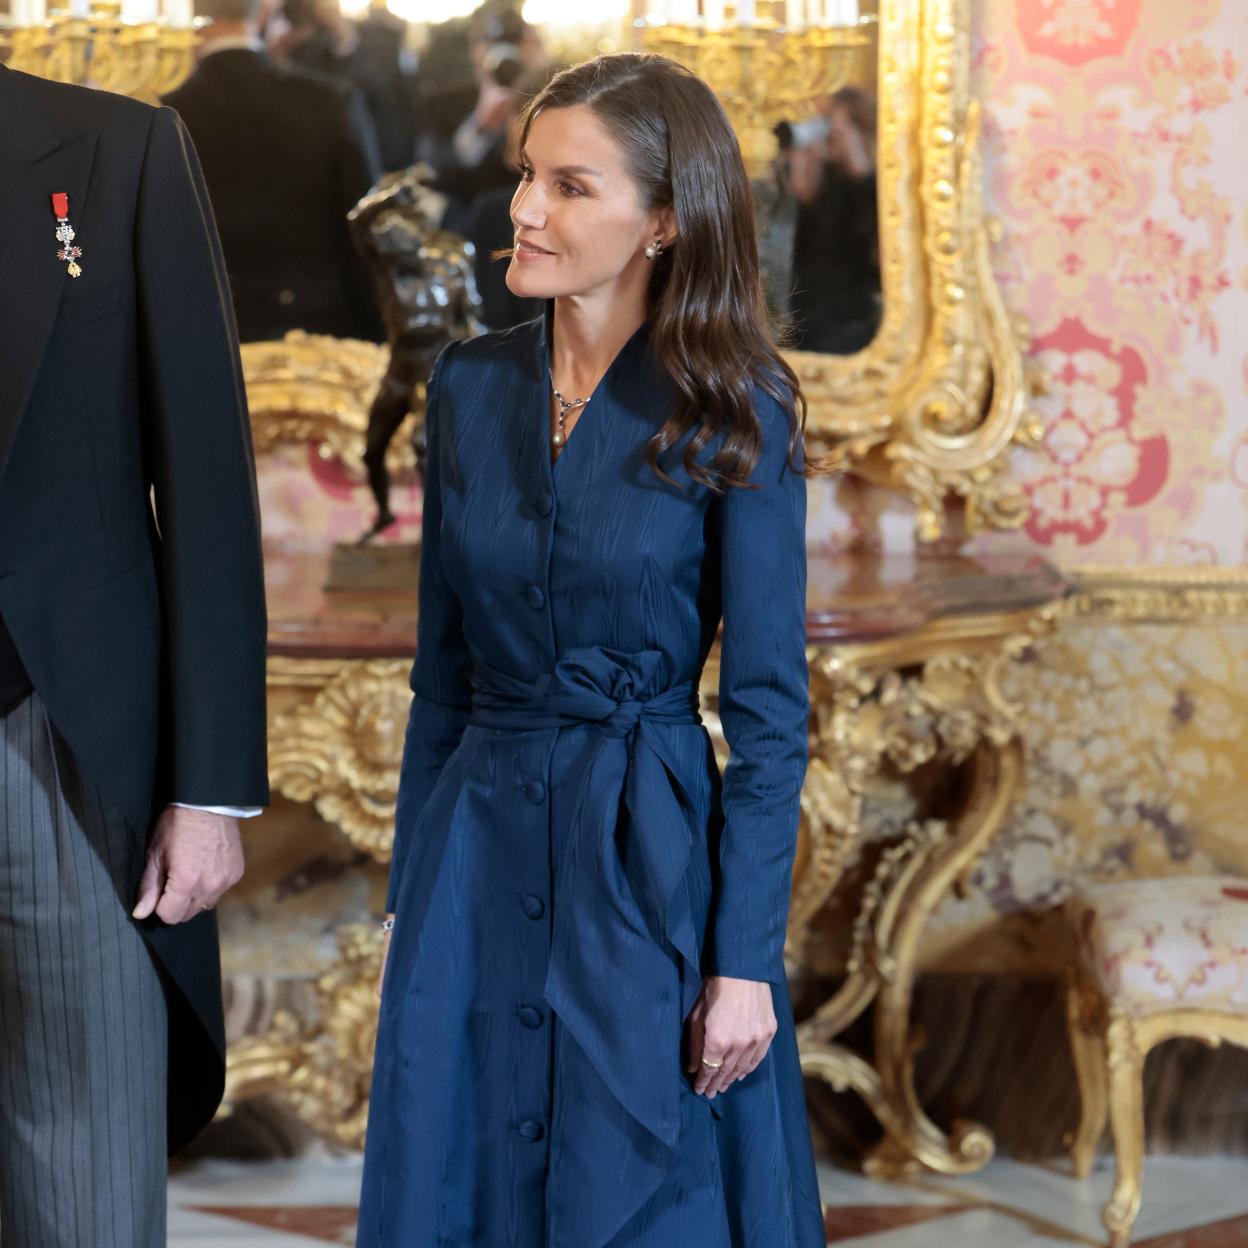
{"points": [[1164, 944]]}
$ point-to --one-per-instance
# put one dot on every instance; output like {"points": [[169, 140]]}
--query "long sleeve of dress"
{"points": [[442, 693], [763, 706]]}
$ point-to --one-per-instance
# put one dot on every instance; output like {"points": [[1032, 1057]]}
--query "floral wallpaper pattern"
{"points": [[1114, 143], [1114, 150], [1135, 768]]}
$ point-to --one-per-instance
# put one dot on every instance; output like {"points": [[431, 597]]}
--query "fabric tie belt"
{"points": [[631, 896]]}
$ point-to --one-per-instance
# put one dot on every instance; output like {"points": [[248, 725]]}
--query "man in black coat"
{"points": [[286, 155], [132, 631]]}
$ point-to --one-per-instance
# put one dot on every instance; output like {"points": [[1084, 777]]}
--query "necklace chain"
{"points": [[560, 435]]}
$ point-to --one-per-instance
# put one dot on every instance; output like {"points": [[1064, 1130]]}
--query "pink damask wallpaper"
{"points": [[1117, 159], [1116, 156]]}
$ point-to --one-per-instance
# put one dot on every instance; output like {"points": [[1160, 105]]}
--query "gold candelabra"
{"points": [[101, 47], [765, 67]]}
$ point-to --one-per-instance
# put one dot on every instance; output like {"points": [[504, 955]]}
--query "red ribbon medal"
{"points": [[65, 233]]}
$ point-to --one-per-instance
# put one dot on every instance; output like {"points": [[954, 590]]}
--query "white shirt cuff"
{"points": [[234, 812]]}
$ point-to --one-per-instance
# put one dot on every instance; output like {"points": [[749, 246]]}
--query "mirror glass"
{"points": [[447, 94], [818, 229]]}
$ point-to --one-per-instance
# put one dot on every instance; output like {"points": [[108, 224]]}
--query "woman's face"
{"points": [[579, 223]]}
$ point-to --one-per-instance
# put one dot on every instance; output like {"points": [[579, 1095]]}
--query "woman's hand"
{"points": [[385, 954], [733, 1022]]}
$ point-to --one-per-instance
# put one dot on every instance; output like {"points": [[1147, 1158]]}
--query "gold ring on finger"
{"points": [[711, 1065]]}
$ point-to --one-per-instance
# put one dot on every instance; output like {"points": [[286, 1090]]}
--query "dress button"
{"points": [[531, 1017], [535, 791], [531, 1131], [544, 504], [536, 598], [533, 906]]}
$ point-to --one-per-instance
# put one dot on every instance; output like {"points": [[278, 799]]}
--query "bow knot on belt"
{"points": [[623, 719], [632, 895]]}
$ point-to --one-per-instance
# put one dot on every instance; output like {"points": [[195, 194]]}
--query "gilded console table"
{"points": [[338, 667], [906, 657]]}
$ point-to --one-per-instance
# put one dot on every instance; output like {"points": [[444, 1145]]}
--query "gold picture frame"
{"points": [[933, 405]]}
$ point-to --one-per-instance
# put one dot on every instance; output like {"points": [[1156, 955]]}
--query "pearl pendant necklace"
{"points": [[560, 435]]}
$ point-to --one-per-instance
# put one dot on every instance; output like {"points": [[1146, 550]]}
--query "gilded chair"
{"points": [[1156, 959]]}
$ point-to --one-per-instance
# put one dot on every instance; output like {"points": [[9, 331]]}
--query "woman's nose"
{"points": [[526, 209]]}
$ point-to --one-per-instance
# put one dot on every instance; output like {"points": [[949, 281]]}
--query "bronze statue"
{"points": [[427, 295]]}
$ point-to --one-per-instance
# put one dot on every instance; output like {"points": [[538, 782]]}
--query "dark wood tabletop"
{"points": [[850, 598]]}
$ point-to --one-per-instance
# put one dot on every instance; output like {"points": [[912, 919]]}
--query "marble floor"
{"points": [[1188, 1203]]}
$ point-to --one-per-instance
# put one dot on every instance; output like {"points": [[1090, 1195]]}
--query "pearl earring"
{"points": [[654, 249]]}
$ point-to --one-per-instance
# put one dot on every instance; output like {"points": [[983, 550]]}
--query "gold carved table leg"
{"points": [[1126, 1116], [946, 706], [995, 773], [932, 865]]}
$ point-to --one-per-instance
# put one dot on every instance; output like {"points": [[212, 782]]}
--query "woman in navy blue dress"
{"points": [[585, 1034]]}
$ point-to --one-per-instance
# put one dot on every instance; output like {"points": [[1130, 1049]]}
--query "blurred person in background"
{"points": [[446, 89], [478, 166], [285, 158], [828, 164], [488, 226], [367, 54], [506, 55]]}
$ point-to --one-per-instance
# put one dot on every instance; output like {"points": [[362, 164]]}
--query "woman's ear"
{"points": [[665, 226]]}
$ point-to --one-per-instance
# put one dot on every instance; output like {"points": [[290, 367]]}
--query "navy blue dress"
{"points": [[567, 863]]}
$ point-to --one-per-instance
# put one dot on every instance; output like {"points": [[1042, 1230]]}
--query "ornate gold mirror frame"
{"points": [[933, 405]]}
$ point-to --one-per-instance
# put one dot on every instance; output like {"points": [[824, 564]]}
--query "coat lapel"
{"points": [[35, 162]]}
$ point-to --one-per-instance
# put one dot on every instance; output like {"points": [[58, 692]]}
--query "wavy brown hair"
{"points": [[709, 325]]}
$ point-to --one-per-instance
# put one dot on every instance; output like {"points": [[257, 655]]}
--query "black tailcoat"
{"points": [[130, 567], [286, 155]]}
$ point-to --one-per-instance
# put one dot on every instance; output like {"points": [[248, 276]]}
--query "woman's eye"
{"points": [[566, 188], [526, 174]]}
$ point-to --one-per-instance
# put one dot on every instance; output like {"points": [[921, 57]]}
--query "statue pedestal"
{"points": [[393, 568]]}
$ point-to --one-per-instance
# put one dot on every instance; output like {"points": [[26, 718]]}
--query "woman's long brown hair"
{"points": [[709, 325]]}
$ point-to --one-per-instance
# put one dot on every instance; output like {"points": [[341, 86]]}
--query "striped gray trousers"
{"points": [[82, 1014]]}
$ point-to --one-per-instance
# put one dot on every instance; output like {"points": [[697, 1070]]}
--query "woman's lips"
{"points": [[527, 251]]}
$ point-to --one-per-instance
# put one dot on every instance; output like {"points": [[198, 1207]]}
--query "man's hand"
{"points": [[192, 858]]}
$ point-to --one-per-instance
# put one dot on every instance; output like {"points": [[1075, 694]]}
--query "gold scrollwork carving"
{"points": [[340, 748], [310, 388], [864, 715], [321, 1068], [903, 702], [1160, 594], [934, 404]]}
